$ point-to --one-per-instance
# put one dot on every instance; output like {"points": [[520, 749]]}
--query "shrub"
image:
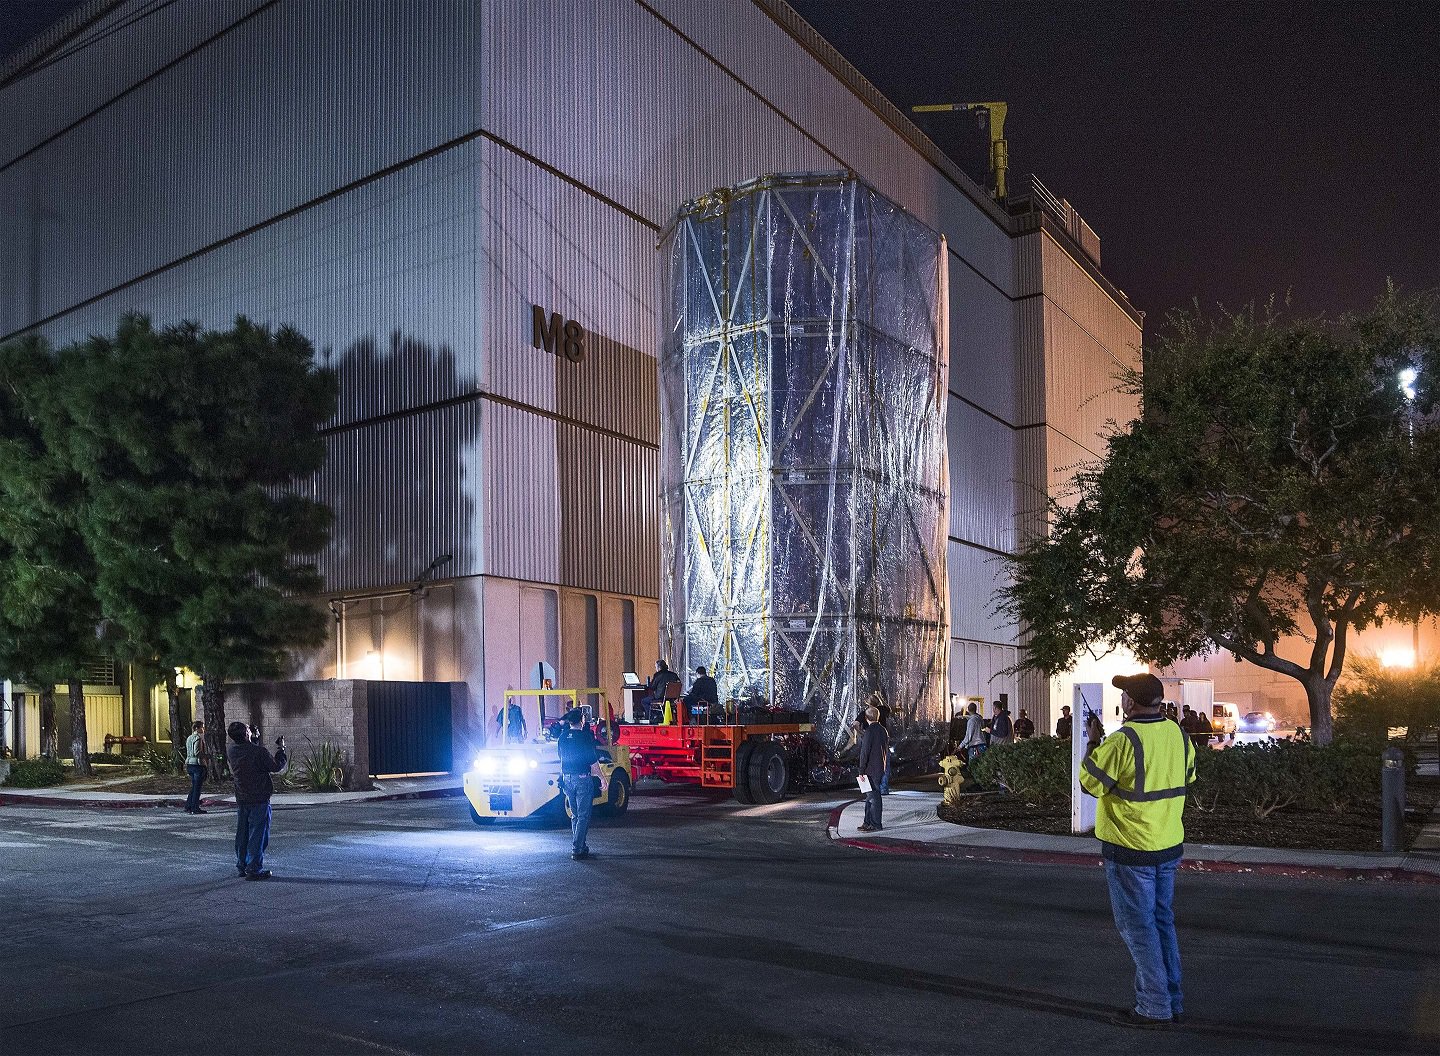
{"points": [[1275, 775], [160, 761], [1036, 769], [35, 773], [109, 759], [322, 767]]}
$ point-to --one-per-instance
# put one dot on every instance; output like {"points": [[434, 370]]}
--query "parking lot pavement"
{"points": [[701, 927]]}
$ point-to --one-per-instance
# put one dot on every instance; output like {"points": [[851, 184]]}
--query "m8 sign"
{"points": [[558, 336]]}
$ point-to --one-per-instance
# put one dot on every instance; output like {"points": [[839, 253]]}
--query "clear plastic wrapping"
{"points": [[803, 453]]}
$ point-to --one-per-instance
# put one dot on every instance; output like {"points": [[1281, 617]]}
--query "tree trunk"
{"points": [[48, 748], [79, 738], [212, 697], [177, 734], [1317, 695]]}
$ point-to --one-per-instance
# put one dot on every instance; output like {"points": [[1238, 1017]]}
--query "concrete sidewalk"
{"points": [[95, 797], [912, 827]]}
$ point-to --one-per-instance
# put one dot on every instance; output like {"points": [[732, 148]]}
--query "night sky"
{"points": [[1222, 151]]}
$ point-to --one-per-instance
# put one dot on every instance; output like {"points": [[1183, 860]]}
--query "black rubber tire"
{"points": [[769, 773], [742, 772], [617, 800], [477, 817]]}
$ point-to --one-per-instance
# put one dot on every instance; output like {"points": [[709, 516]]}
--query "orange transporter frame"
{"points": [[752, 760]]}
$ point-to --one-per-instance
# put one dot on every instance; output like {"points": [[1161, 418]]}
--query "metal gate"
{"points": [[410, 728]]}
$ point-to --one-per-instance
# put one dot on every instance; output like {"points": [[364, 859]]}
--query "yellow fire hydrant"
{"points": [[952, 779]]}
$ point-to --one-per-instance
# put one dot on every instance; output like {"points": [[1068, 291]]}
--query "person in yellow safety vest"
{"points": [[1140, 774]]}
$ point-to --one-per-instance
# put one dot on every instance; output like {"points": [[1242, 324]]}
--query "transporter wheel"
{"points": [[742, 772], [618, 799], [477, 817], [769, 773]]}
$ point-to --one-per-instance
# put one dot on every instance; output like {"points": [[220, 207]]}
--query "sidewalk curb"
{"points": [[968, 852], [11, 799]]}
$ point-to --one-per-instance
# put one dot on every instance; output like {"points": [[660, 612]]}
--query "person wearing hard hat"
{"points": [[1140, 774]]}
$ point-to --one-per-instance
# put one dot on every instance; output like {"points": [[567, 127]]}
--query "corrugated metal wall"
{"points": [[404, 491], [974, 575], [43, 103], [292, 104], [983, 472], [603, 91], [383, 280], [975, 671]]}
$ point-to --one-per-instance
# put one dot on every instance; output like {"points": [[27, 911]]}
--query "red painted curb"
{"points": [[175, 802], [893, 845]]}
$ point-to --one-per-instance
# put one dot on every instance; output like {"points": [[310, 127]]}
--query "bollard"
{"points": [[1392, 798]]}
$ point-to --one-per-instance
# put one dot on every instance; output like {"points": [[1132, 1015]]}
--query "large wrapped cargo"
{"points": [[803, 454]]}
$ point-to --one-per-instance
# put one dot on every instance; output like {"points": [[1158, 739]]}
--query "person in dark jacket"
{"points": [[1024, 728], [655, 688], [874, 754], [251, 766], [703, 691], [1064, 724], [578, 756]]}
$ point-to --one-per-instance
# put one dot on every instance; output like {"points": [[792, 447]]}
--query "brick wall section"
{"points": [[307, 713]]}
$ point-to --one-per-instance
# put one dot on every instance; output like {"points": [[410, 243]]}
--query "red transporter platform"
{"points": [[755, 761]]}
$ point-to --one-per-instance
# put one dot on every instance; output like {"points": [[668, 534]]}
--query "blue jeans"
{"points": [[579, 792], [1142, 897], [252, 836], [874, 807], [197, 778]]}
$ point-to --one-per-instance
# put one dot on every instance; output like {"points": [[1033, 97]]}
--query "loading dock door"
{"points": [[410, 728]]}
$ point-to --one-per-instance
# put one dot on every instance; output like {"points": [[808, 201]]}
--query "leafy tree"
{"points": [[1279, 483], [48, 607], [1372, 698], [190, 442]]}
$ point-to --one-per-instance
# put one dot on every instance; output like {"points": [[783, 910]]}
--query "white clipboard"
{"points": [[864, 783]]}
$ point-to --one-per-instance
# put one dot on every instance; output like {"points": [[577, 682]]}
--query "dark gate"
{"points": [[410, 728]]}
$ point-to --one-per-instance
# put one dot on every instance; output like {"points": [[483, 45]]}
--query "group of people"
{"points": [[704, 693], [971, 733]]}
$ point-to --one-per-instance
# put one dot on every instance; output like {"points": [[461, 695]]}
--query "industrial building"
{"points": [[460, 204]]}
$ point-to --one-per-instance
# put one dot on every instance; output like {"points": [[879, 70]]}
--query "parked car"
{"points": [[1256, 723]]}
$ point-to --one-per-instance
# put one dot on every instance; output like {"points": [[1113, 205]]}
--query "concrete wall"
{"points": [[307, 714]]}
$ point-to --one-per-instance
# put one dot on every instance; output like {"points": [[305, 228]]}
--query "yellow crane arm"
{"points": [[999, 149]]}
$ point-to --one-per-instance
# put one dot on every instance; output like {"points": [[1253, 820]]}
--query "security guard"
{"points": [[1139, 774]]}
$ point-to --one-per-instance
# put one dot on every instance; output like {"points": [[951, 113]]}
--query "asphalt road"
{"points": [[402, 928]]}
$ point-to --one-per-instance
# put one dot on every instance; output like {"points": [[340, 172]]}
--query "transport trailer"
{"points": [[758, 761]]}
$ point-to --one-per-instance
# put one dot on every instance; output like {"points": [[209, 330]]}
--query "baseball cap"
{"points": [[1144, 689]]}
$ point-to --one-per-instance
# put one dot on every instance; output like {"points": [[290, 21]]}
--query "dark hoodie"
{"points": [[251, 766]]}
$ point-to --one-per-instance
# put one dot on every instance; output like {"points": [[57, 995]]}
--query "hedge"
{"points": [[35, 773], [1260, 778], [1037, 769]]}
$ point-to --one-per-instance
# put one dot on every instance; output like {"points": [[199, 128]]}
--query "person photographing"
{"points": [[578, 757], [251, 766], [1139, 774]]}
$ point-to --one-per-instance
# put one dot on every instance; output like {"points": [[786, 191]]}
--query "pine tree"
{"points": [[49, 611], [191, 443]]}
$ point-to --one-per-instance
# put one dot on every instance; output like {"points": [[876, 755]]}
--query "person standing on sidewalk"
{"points": [[197, 762], [1002, 730], [874, 755], [251, 766], [1140, 774], [974, 741], [578, 756]]}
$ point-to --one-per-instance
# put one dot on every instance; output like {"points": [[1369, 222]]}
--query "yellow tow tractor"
{"points": [[518, 778]]}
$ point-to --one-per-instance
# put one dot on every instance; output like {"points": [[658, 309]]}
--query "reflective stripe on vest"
{"points": [[1141, 794]]}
